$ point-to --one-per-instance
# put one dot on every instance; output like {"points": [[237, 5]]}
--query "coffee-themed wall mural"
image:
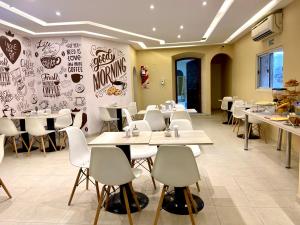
{"points": [[70, 72]]}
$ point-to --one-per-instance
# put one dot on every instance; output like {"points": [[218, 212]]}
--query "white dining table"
{"points": [[167, 113]]}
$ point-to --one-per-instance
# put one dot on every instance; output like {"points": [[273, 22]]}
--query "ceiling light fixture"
{"points": [[181, 27], [252, 20], [140, 43], [179, 36], [222, 11], [154, 29], [73, 23], [58, 13], [204, 3], [151, 6]]}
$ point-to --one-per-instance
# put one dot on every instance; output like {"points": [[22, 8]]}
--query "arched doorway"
{"points": [[188, 82], [221, 67]]}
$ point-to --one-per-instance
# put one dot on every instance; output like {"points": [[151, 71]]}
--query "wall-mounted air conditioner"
{"points": [[267, 27]]}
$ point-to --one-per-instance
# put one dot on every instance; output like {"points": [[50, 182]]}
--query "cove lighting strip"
{"points": [[252, 20], [45, 24]]}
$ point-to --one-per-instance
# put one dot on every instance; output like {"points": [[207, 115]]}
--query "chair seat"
{"points": [[61, 126], [15, 134], [195, 149], [111, 119], [142, 151], [83, 163], [137, 172]]}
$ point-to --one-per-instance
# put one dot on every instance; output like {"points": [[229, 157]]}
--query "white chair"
{"points": [[79, 156], [176, 166], [142, 153], [156, 120], [184, 124], [132, 108], [224, 104], [151, 107], [237, 114], [2, 139], [8, 128], [35, 128], [107, 119], [110, 167], [180, 115], [65, 120], [127, 115]]}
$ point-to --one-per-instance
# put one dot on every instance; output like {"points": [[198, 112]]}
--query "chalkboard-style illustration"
{"points": [[63, 105], [84, 117], [27, 68], [49, 62], [79, 101], [18, 80], [66, 75], [5, 97], [34, 99], [11, 49], [26, 42], [36, 54], [76, 77], [4, 72], [68, 94], [44, 104], [79, 88], [66, 83], [62, 70], [8, 111], [110, 71], [40, 70], [86, 129], [51, 85], [63, 54], [23, 106], [31, 85], [74, 57], [55, 108]]}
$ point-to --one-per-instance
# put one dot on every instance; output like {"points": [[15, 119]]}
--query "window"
{"points": [[270, 70]]}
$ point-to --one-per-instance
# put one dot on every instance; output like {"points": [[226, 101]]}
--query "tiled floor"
{"points": [[238, 187]]}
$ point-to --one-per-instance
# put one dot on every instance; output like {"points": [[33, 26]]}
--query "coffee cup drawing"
{"points": [[49, 62], [120, 84], [79, 101], [76, 77]]}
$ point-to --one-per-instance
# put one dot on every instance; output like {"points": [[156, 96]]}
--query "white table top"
{"points": [[118, 138], [280, 124], [45, 116], [193, 137], [142, 112], [114, 106]]}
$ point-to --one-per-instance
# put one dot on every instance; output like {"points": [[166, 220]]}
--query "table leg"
{"points": [[50, 126], [246, 132], [288, 150], [119, 116], [25, 137], [174, 202], [279, 139], [116, 203]]}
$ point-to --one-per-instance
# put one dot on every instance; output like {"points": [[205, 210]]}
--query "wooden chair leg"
{"points": [[97, 190], [192, 200], [75, 185], [99, 207], [134, 197], [24, 143], [15, 146], [108, 126], [87, 178], [187, 200], [198, 186], [127, 205], [161, 199], [107, 198], [238, 128], [52, 142], [30, 145], [43, 145], [5, 189], [150, 169]]}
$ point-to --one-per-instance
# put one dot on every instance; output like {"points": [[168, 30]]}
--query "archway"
{"points": [[221, 66]]}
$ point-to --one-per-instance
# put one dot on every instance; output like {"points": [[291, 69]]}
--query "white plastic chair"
{"points": [[151, 107], [35, 128], [224, 104], [2, 139], [110, 167], [8, 128], [155, 119], [132, 108], [127, 115], [107, 119], [77, 122], [142, 153], [176, 166], [65, 120], [180, 115], [237, 114], [79, 156]]}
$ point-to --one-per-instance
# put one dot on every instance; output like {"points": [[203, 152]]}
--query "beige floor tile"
{"points": [[279, 216]]}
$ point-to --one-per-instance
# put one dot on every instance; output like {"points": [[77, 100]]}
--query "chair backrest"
{"points": [[8, 127], [151, 107], [132, 108], [34, 126], [142, 125], [66, 119], [110, 166], [236, 102], [183, 124], [104, 114], [78, 148], [77, 122], [2, 139], [155, 119], [175, 165], [237, 110], [225, 100], [180, 115], [127, 115]]}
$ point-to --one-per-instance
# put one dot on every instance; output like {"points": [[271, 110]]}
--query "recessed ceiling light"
{"points": [[154, 29], [181, 27], [58, 13], [151, 6], [204, 3], [179, 36]]}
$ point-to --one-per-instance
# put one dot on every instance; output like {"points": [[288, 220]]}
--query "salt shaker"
{"points": [[127, 130], [176, 131]]}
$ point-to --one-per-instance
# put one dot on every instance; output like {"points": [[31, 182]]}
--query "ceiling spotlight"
{"points": [[179, 36], [58, 13], [153, 29], [151, 6], [181, 27], [204, 3]]}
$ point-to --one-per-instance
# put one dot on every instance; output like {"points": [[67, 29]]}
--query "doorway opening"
{"points": [[220, 79], [188, 82]]}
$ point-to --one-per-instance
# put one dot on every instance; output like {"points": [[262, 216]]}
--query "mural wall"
{"points": [[70, 72]]}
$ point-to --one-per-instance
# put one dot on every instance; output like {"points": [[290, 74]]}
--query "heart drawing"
{"points": [[11, 49]]}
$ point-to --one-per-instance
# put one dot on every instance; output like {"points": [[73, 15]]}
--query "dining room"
{"points": [[172, 112]]}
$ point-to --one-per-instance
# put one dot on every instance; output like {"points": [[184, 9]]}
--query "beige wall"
{"points": [[161, 66], [245, 52]]}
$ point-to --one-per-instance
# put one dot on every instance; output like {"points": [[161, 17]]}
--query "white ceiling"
{"points": [[132, 20]]}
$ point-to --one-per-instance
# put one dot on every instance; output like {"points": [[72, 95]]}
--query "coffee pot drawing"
{"points": [[49, 62], [120, 84]]}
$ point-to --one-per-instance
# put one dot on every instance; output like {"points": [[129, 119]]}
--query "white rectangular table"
{"points": [[167, 113]]}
